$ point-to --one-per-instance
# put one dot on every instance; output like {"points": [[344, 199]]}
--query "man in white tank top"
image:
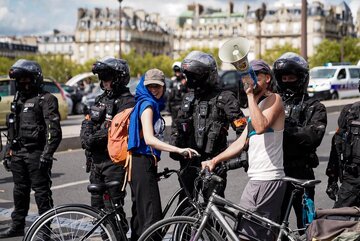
{"points": [[265, 190]]}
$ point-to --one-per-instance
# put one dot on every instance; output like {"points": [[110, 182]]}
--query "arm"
{"points": [[231, 106], [233, 150], [151, 140], [267, 113], [52, 125], [311, 134]]}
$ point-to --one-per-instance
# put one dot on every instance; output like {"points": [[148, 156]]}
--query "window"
{"points": [[4, 88], [51, 87], [355, 73], [342, 74]]}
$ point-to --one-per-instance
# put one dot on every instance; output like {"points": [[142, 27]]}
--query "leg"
{"points": [[348, 194], [40, 183], [145, 191], [97, 199], [114, 172]]}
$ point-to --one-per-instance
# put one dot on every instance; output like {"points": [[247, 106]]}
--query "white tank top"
{"points": [[266, 156]]}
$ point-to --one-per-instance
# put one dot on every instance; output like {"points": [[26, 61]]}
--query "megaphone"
{"points": [[235, 51]]}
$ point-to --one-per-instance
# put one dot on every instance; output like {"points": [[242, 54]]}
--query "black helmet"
{"points": [[291, 63], [27, 68], [112, 68], [199, 69]]}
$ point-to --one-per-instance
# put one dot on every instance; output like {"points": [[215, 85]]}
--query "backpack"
{"points": [[118, 140]]}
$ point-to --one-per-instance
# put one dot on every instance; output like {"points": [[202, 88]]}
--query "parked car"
{"points": [[7, 92], [334, 81], [69, 100]]}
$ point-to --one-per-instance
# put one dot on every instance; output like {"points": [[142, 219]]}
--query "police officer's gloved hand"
{"points": [[45, 162], [332, 189], [7, 163]]}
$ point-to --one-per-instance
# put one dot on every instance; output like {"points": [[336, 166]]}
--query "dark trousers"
{"points": [[104, 172], [300, 173], [27, 176], [145, 195], [349, 192]]}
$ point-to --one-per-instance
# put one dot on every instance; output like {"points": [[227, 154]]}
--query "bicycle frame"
{"points": [[212, 210]]}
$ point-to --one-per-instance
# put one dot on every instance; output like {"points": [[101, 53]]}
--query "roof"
{"points": [[74, 80]]}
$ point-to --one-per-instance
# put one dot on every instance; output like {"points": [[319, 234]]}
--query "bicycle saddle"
{"points": [[101, 187]]}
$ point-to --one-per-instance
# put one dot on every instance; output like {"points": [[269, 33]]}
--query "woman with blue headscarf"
{"points": [[145, 133]]}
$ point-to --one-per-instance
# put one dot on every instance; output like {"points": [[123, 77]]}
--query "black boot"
{"points": [[12, 232]]}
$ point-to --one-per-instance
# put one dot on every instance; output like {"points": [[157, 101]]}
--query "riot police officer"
{"points": [[205, 115], [344, 161], [114, 75], [305, 124], [34, 134], [176, 91]]}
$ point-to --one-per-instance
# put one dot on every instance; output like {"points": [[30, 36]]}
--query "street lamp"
{"points": [[304, 29], [343, 33], [120, 28], [260, 15]]}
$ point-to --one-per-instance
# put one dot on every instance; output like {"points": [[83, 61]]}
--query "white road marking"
{"points": [[67, 185]]}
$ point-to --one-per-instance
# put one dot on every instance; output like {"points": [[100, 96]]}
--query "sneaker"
{"points": [[12, 232]]}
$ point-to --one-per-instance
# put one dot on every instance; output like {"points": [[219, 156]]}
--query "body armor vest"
{"points": [[31, 125]]}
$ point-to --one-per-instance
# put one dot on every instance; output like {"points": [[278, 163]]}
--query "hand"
{"points": [[248, 84], [7, 163], [332, 190], [45, 163], [209, 163], [188, 152]]}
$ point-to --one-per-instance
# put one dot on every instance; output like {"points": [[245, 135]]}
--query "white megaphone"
{"points": [[235, 51]]}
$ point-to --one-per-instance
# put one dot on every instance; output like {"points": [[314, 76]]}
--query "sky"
{"points": [[34, 17]]}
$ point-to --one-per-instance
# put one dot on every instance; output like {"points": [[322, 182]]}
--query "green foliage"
{"points": [[274, 53], [61, 68], [330, 51]]}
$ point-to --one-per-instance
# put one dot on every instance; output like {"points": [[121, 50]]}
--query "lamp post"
{"points": [[343, 33], [304, 29], [260, 15], [120, 28]]}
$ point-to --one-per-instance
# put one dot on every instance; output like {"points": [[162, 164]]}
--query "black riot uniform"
{"points": [[94, 129], [34, 134], [344, 161], [205, 115], [176, 91], [305, 124]]}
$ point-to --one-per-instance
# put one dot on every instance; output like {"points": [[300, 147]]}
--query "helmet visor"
{"points": [[195, 78]]}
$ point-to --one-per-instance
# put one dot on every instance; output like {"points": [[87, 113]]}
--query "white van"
{"points": [[334, 82]]}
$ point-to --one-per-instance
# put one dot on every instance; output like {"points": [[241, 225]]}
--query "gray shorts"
{"points": [[264, 198]]}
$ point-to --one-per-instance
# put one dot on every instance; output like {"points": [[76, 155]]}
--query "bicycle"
{"points": [[192, 228], [79, 221]]}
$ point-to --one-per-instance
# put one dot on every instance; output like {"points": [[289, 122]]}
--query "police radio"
{"points": [[235, 52]]}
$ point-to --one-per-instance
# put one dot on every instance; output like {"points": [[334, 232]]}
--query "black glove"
{"points": [[45, 163], [332, 190], [7, 163], [89, 161]]}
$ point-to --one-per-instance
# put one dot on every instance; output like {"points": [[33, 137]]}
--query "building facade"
{"points": [[97, 33], [200, 27], [57, 43]]}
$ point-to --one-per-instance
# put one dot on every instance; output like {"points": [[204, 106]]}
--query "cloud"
{"points": [[19, 17]]}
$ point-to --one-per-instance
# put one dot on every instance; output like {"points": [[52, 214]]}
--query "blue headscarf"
{"points": [[144, 99]]}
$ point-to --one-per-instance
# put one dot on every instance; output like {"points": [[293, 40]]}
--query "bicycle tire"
{"points": [[230, 217], [178, 228], [70, 223]]}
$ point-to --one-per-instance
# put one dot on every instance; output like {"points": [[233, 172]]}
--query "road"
{"points": [[70, 180]]}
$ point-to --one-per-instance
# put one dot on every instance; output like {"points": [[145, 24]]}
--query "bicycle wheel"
{"points": [[178, 228], [230, 217], [70, 223]]}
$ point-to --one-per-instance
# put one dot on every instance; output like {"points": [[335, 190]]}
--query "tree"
{"points": [[330, 51], [274, 53]]}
